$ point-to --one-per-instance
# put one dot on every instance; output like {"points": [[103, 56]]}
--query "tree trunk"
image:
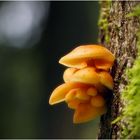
{"points": [[118, 33]]}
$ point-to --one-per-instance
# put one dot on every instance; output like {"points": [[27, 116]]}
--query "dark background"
{"points": [[29, 68]]}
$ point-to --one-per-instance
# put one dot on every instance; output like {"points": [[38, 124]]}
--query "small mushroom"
{"points": [[68, 73], [89, 75], [86, 75], [106, 79], [71, 95], [58, 95], [83, 56], [76, 96], [86, 112]]}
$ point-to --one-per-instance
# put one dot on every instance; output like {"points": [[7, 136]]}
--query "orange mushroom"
{"points": [[71, 95], [89, 75], [68, 74], [86, 75], [106, 79], [76, 96], [89, 55], [86, 112], [58, 95], [79, 97], [85, 82]]}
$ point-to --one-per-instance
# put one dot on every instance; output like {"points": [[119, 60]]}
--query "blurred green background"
{"points": [[33, 37]]}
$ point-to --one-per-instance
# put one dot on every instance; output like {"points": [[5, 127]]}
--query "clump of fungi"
{"points": [[86, 80]]}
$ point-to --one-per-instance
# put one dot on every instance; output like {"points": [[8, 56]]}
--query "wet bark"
{"points": [[121, 32]]}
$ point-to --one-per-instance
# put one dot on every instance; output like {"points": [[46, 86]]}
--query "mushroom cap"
{"points": [[89, 75], [68, 73], [59, 93], [76, 96], [106, 79], [86, 112], [86, 75], [85, 55], [71, 95]]}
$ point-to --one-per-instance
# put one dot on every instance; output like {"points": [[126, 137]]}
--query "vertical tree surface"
{"points": [[118, 32]]}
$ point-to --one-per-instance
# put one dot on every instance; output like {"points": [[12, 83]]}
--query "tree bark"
{"points": [[118, 33]]}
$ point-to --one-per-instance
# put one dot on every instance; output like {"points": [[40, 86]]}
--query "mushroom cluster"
{"points": [[86, 79]]}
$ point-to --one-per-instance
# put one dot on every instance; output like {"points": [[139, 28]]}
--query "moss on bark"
{"points": [[130, 116], [122, 30]]}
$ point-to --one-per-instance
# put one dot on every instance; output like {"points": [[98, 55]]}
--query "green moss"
{"points": [[103, 20], [131, 95], [136, 12]]}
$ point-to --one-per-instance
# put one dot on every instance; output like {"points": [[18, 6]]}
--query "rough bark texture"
{"points": [[119, 35]]}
